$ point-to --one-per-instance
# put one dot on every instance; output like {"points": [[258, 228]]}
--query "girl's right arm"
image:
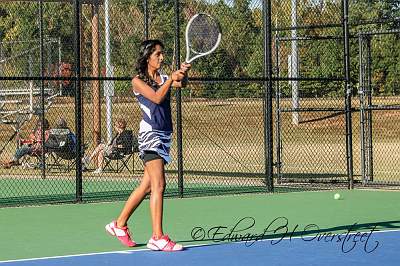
{"points": [[139, 86]]}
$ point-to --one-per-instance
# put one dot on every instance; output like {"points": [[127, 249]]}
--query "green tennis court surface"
{"points": [[62, 230]]}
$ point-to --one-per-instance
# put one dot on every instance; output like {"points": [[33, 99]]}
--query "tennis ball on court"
{"points": [[336, 196]]}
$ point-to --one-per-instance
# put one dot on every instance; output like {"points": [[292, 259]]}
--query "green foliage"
{"points": [[217, 66], [241, 52]]}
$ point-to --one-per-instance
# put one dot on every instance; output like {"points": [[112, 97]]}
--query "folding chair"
{"points": [[122, 156], [60, 148], [61, 160], [32, 161]]}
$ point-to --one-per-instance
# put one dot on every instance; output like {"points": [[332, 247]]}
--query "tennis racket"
{"points": [[203, 35]]}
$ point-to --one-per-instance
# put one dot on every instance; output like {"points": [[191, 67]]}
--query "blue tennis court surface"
{"points": [[377, 248]]}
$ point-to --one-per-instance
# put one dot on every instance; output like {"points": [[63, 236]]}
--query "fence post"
{"points": [[361, 95], [42, 114], [268, 141], [369, 111], [278, 124], [146, 19], [349, 136], [78, 106], [178, 102]]}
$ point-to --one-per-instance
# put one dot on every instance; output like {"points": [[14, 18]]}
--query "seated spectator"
{"points": [[61, 140], [103, 149], [30, 146]]}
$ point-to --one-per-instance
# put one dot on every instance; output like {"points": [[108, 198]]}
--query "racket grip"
{"points": [[185, 81]]}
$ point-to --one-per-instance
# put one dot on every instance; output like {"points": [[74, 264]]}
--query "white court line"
{"points": [[189, 246]]}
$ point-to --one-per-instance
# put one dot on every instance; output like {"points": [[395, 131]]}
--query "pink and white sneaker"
{"points": [[122, 233], [163, 244]]}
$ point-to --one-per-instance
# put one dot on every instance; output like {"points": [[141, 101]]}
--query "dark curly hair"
{"points": [[146, 49]]}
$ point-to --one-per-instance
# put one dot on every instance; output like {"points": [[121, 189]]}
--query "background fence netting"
{"points": [[335, 95]]}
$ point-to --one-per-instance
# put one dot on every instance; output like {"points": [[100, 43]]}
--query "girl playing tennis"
{"points": [[152, 90]]}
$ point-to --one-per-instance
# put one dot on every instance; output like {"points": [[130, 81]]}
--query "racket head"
{"points": [[203, 35]]}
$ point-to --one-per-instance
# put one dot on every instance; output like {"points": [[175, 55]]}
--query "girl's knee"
{"points": [[145, 186], [158, 186], [147, 190]]}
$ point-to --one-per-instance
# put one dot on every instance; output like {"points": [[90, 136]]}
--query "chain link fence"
{"points": [[333, 82]]}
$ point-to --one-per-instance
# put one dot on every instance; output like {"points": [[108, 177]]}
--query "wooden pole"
{"points": [[95, 73]]}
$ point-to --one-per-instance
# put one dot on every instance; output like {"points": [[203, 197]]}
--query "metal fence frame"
{"points": [[268, 79], [367, 108]]}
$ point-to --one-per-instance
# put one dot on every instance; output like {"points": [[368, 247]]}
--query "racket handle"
{"points": [[185, 81]]}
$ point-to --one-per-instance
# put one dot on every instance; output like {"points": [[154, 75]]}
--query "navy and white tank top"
{"points": [[155, 117], [156, 126]]}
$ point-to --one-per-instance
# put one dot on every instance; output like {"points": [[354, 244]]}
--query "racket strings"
{"points": [[203, 34]]}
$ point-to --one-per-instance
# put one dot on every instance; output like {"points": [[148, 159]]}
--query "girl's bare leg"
{"points": [[155, 169], [134, 199]]}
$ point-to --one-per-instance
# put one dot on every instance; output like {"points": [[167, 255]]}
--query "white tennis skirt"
{"points": [[157, 141]]}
